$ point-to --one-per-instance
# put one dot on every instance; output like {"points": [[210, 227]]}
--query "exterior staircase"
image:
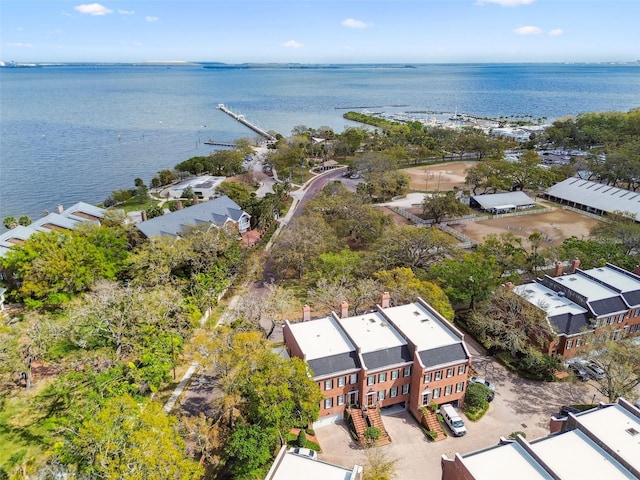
{"points": [[359, 422], [375, 420], [430, 420]]}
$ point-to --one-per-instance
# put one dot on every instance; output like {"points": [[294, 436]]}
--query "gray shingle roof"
{"points": [[216, 212], [571, 324], [386, 357], [443, 355], [607, 306], [334, 364]]}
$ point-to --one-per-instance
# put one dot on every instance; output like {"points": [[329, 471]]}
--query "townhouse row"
{"points": [[405, 355]]}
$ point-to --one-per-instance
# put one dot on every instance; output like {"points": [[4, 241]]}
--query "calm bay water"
{"points": [[76, 133]]}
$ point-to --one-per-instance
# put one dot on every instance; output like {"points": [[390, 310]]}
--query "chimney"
{"points": [[196, 200], [178, 204], [559, 269], [306, 313], [344, 309], [575, 264], [385, 300], [143, 214], [636, 270], [60, 209]]}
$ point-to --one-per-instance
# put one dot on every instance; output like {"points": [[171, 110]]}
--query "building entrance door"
{"points": [[352, 398]]}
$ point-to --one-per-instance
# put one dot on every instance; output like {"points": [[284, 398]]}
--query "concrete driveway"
{"points": [[519, 405]]}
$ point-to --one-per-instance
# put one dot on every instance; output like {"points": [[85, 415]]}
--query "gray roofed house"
{"points": [[502, 202], [67, 219], [341, 362], [582, 301], [217, 213], [444, 355], [387, 357]]}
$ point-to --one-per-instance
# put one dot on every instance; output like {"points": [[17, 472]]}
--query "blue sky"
{"points": [[320, 31]]}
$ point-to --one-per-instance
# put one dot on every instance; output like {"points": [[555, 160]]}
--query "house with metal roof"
{"points": [[585, 301], [601, 443], [221, 212], [63, 220], [502, 202], [594, 197], [405, 355]]}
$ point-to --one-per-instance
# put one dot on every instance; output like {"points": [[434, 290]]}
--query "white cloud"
{"points": [[292, 44], [151, 19], [93, 9], [527, 30], [353, 23], [556, 32], [19, 45], [506, 3], [126, 12]]}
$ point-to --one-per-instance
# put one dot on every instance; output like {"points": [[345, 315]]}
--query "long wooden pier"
{"points": [[247, 123], [219, 144]]}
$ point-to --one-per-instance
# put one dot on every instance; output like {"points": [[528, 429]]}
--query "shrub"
{"points": [[311, 431], [513, 435], [476, 397], [372, 434], [432, 434], [302, 439]]}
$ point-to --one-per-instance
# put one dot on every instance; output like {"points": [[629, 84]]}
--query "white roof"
{"points": [[610, 425], [586, 286], [597, 195], [372, 332], [503, 200], [289, 466], [504, 462], [321, 338], [548, 300], [421, 326], [625, 282], [590, 460]]}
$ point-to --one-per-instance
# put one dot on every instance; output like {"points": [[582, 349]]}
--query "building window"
{"points": [[569, 344], [353, 378], [633, 328], [425, 400], [448, 389], [450, 372], [578, 342], [340, 399], [342, 381], [406, 372], [427, 377], [438, 375], [393, 392], [328, 403], [597, 324], [636, 312], [612, 320], [405, 388], [395, 374], [381, 395], [382, 377], [328, 384], [620, 318], [459, 387], [371, 380], [616, 335], [462, 369], [436, 393]]}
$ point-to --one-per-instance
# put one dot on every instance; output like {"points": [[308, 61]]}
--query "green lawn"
{"points": [[22, 436]]}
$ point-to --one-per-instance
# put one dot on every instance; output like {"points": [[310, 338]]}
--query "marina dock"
{"points": [[247, 123], [219, 144]]}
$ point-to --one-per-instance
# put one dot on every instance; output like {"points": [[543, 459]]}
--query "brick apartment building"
{"points": [[407, 354], [601, 300], [601, 443]]}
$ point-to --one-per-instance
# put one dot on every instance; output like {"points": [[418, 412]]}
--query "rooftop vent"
{"points": [[372, 320], [632, 431], [416, 313]]}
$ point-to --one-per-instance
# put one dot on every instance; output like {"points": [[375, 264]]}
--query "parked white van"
{"points": [[452, 419]]}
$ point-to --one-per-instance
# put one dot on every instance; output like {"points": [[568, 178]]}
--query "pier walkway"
{"points": [[247, 123]]}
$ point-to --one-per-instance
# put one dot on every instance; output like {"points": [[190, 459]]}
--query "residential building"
{"points": [[289, 466], [203, 187], [601, 300], [221, 212], [408, 355], [63, 220], [601, 443]]}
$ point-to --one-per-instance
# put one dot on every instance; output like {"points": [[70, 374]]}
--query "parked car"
{"points": [[484, 382], [594, 370], [579, 372], [304, 452]]}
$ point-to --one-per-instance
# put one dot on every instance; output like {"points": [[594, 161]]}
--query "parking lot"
{"points": [[519, 405]]}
